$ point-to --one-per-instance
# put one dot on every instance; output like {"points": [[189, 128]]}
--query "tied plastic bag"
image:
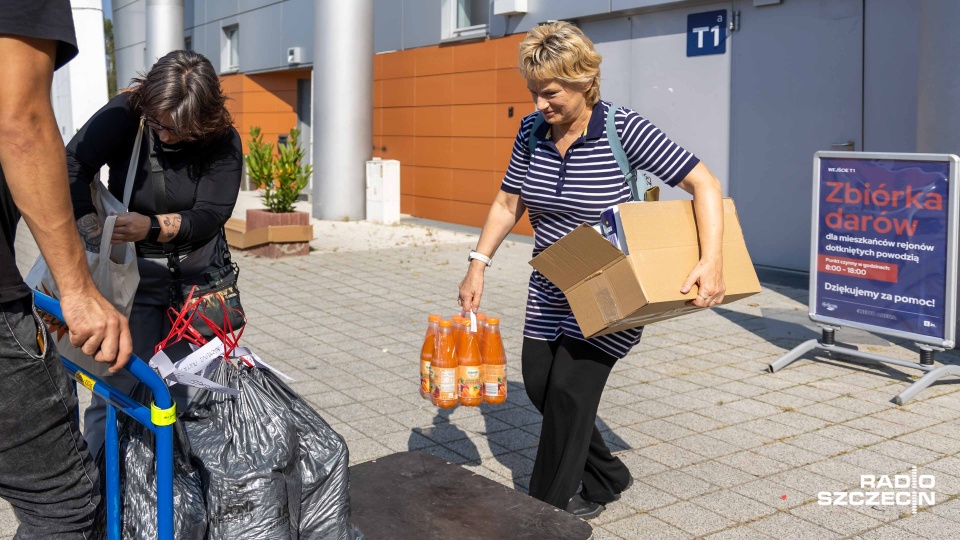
{"points": [[258, 464], [273, 468]]}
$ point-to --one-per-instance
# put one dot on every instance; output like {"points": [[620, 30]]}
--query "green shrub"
{"points": [[280, 175]]}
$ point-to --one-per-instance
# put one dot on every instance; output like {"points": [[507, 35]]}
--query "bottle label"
{"points": [[425, 375], [495, 379], [471, 385], [445, 383]]}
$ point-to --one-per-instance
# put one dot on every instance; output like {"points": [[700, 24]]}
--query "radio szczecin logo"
{"points": [[910, 490]]}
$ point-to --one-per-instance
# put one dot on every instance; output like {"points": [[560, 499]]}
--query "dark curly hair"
{"points": [[185, 85]]}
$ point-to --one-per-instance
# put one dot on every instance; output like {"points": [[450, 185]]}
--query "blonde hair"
{"points": [[560, 51]]}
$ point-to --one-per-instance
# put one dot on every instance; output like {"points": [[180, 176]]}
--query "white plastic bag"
{"points": [[114, 269]]}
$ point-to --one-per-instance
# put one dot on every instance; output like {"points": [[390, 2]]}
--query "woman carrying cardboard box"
{"points": [[564, 173]]}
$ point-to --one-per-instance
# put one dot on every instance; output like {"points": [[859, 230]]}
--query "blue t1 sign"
{"points": [[881, 244], [707, 33]]}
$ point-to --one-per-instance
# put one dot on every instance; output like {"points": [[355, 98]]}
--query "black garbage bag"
{"points": [[138, 483], [260, 464]]}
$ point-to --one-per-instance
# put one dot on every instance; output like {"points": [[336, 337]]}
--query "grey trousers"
{"points": [[46, 473]]}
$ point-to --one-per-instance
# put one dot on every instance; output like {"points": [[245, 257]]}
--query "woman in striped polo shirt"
{"points": [[569, 178]]}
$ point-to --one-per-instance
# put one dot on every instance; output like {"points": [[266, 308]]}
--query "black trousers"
{"points": [[564, 379]]}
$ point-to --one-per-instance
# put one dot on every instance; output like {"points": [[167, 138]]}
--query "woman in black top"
{"points": [[193, 153]]}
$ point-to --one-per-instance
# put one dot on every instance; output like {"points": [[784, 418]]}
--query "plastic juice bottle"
{"points": [[443, 369], [494, 364], [426, 354], [457, 325], [469, 365], [481, 327]]}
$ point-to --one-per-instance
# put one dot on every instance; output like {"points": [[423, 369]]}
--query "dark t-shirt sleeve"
{"points": [[107, 134], [217, 191], [44, 19]]}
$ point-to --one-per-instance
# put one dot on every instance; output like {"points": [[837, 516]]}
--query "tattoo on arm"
{"points": [[170, 226], [90, 232]]}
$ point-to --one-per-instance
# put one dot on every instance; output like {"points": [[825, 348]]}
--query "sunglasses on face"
{"points": [[156, 125]]}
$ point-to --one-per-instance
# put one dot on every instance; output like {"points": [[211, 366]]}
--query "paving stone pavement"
{"points": [[720, 448]]}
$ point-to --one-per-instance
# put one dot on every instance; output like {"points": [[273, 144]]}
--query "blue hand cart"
{"points": [[159, 419]]}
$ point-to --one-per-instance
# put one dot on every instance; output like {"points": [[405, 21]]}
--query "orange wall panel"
{"points": [[434, 182], [397, 65], [476, 56], [474, 120], [399, 121], [474, 153], [434, 121], [442, 111], [434, 152], [475, 186], [474, 87], [399, 92], [434, 90], [434, 60]]}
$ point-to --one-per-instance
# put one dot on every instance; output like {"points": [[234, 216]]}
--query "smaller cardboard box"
{"points": [[609, 291]]}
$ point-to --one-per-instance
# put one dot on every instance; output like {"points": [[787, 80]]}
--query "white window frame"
{"points": [[449, 28], [230, 42]]}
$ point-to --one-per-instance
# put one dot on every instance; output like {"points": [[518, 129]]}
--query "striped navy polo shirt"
{"points": [[560, 193]]}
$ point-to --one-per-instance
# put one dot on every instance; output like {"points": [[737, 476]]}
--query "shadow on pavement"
{"points": [[513, 425]]}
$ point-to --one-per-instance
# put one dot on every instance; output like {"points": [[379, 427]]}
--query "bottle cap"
{"points": [[445, 324], [434, 318], [493, 320]]}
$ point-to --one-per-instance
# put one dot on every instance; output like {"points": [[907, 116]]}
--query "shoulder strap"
{"points": [[613, 137], [532, 139], [132, 167]]}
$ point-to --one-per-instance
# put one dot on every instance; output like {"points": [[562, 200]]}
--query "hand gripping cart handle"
{"points": [[159, 419]]}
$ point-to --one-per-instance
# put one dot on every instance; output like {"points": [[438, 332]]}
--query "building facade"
{"points": [[781, 80]]}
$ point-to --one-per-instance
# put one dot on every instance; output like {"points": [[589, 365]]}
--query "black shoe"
{"points": [[583, 508], [626, 487]]}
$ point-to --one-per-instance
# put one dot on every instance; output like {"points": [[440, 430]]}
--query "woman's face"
{"points": [[161, 125], [559, 102]]}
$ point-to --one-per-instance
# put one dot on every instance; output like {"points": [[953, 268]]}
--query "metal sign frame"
{"points": [[950, 293]]}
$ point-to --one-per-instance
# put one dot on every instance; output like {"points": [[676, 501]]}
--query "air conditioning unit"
{"points": [[509, 7], [293, 55], [383, 191]]}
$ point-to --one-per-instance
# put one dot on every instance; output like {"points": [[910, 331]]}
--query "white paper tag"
{"points": [[473, 322], [199, 359], [245, 353], [194, 363]]}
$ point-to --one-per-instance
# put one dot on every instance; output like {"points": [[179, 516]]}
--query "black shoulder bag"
{"points": [[217, 291]]}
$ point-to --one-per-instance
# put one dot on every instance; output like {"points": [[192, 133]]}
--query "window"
{"points": [[465, 18], [188, 43], [230, 52]]}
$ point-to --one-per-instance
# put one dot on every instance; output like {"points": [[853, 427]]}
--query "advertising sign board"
{"points": [[883, 255]]}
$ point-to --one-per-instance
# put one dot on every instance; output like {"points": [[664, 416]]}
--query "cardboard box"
{"points": [[610, 291]]}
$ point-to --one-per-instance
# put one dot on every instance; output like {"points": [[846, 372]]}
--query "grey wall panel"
{"points": [[260, 42], [129, 63], [796, 89], [687, 98], [388, 25], [620, 5], [188, 14], [297, 29], [220, 9], [612, 40], [421, 23], [130, 24], [890, 73], [250, 5], [210, 39], [938, 112], [200, 11]]}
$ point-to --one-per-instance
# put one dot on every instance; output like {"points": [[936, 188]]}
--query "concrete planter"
{"points": [[267, 234]]}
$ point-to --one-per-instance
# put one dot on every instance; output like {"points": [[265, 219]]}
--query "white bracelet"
{"points": [[480, 257]]}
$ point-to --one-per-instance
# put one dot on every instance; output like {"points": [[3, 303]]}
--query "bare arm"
{"points": [[134, 227], [506, 211], [34, 162], [708, 206]]}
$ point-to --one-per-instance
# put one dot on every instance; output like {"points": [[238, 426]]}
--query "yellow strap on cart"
{"points": [[84, 380], [163, 417]]}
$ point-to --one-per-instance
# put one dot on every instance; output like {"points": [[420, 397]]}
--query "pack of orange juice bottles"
{"points": [[460, 365], [426, 355], [443, 368]]}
